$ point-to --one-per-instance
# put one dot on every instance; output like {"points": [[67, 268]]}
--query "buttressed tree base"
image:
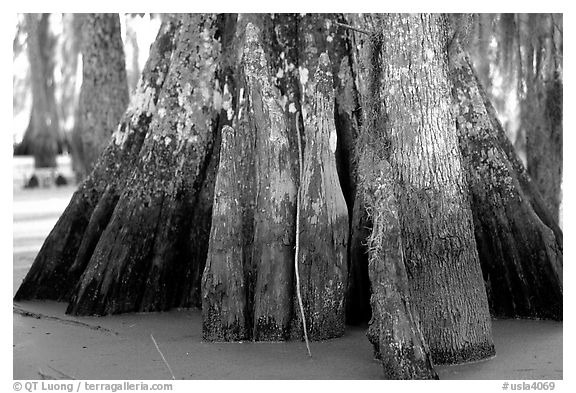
{"points": [[371, 135]]}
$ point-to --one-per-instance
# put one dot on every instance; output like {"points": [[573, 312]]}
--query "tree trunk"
{"points": [[248, 279], [519, 243], [104, 91], [320, 33], [43, 132], [140, 261], [418, 127], [154, 171], [324, 223], [69, 246]]}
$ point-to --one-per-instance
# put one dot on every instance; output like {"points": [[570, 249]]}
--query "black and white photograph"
{"points": [[287, 196]]}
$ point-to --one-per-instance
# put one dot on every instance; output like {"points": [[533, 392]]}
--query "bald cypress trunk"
{"points": [[519, 243], [247, 283], [322, 262], [123, 243], [69, 246], [104, 92], [142, 257], [418, 127]]}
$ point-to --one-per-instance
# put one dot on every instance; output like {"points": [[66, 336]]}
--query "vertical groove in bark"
{"points": [[437, 230], [104, 92], [43, 132], [247, 284], [140, 261], [519, 244], [358, 309], [54, 272], [324, 233]]}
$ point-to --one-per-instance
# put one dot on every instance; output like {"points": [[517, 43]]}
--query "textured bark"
{"points": [[394, 328], [140, 261], [104, 92], [123, 242], [248, 279], [436, 221], [59, 264], [324, 215], [519, 243], [42, 135]]}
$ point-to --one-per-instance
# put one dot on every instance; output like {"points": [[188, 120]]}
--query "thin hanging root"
{"points": [[163, 358], [296, 253]]}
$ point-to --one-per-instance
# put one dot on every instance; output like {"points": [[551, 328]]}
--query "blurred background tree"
{"points": [[104, 92], [42, 137], [518, 58]]}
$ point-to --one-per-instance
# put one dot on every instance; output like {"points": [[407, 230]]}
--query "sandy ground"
{"points": [[46, 341]]}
